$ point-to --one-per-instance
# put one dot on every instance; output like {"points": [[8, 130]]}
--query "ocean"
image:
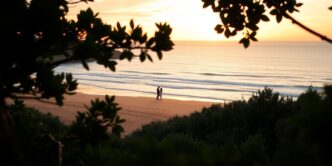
{"points": [[214, 71]]}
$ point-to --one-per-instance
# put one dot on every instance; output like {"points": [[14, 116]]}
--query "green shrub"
{"points": [[265, 130], [35, 132], [305, 137]]}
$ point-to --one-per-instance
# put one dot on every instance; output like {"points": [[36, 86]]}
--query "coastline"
{"points": [[137, 111]]}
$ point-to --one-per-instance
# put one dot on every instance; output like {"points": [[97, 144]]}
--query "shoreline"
{"points": [[95, 90], [137, 111]]}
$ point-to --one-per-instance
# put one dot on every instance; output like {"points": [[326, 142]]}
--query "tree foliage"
{"points": [[38, 37], [37, 136], [244, 16], [93, 125], [44, 140]]}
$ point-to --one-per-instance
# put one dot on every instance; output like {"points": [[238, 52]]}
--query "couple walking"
{"points": [[159, 93]]}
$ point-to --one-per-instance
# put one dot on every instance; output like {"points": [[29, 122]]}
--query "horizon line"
{"points": [[265, 41]]}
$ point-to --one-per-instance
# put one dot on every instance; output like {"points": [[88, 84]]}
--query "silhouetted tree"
{"points": [[244, 16], [37, 37]]}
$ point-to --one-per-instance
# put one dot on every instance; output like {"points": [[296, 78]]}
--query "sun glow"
{"points": [[191, 22]]}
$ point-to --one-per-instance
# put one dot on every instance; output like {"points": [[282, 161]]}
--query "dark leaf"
{"points": [[142, 56], [136, 34], [265, 18], [279, 18], [122, 56], [118, 25], [219, 28], [253, 39], [227, 33], [59, 100], [274, 12], [118, 120], [234, 32], [143, 38], [206, 4], [132, 25], [149, 57], [121, 120], [242, 40], [160, 55], [112, 99], [299, 4], [150, 42], [245, 42], [85, 65], [112, 65], [253, 34], [117, 130], [129, 55]]}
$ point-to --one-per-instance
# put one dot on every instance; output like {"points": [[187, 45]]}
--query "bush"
{"points": [[268, 129], [305, 137], [37, 133]]}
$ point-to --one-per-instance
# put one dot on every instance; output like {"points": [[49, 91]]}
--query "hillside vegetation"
{"points": [[268, 129]]}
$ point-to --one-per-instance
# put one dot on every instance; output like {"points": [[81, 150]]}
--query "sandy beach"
{"points": [[137, 111]]}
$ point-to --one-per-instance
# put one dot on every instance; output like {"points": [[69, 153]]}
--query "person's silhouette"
{"points": [[158, 93], [161, 93]]}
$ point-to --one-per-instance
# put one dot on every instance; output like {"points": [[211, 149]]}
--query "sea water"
{"points": [[213, 71]]}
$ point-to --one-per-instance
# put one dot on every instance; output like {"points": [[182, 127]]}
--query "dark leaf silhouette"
{"points": [[219, 28], [142, 57], [40, 36], [245, 42], [265, 18], [92, 126], [244, 16]]}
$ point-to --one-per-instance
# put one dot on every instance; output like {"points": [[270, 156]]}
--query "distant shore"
{"points": [[137, 111]]}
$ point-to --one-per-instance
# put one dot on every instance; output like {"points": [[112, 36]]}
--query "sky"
{"points": [[191, 22]]}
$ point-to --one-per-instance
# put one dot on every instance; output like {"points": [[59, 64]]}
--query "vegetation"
{"points": [[244, 16], [268, 129], [37, 133], [38, 37]]}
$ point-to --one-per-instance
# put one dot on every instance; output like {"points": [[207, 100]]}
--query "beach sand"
{"points": [[137, 111]]}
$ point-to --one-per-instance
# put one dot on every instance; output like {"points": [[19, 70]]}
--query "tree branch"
{"points": [[59, 147], [65, 60], [308, 29], [74, 2], [134, 47]]}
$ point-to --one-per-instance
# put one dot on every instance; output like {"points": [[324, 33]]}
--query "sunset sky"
{"points": [[191, 22]]}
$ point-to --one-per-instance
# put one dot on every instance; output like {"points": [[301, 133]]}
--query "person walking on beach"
{"points": [[161, 93], [158, 93]]}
